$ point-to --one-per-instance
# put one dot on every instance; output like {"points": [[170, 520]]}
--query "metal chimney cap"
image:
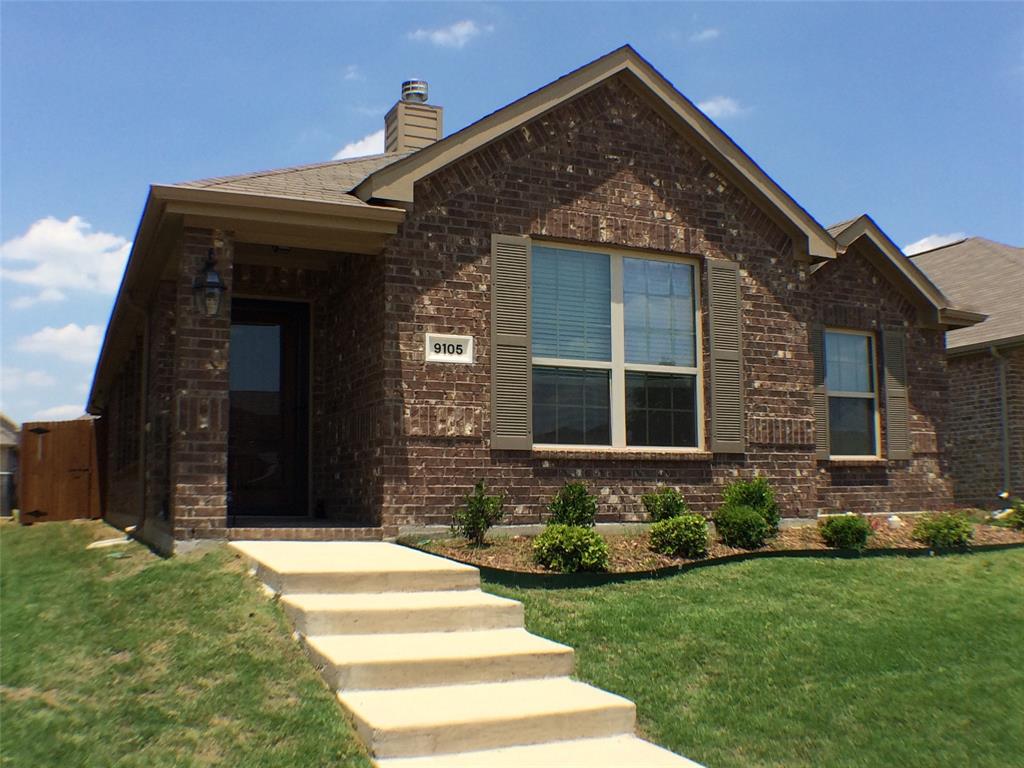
{"points": [[415, 90]]}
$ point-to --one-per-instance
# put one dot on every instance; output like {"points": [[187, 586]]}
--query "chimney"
{"points": [[412, 123]]}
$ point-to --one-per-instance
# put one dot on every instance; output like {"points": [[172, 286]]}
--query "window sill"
{"points": [[621, 454], [857, 461]]}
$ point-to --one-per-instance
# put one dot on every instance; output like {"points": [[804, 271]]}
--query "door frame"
{"points": [[254, 299]]}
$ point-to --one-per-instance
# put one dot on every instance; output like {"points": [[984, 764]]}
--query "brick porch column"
{"points": [[199, 418]]}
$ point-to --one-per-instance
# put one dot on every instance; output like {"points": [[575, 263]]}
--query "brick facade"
{"points": [[976, 456], [397, 442]]}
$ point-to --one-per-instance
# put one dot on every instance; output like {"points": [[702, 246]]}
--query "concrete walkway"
{"points": [[437, 674]]}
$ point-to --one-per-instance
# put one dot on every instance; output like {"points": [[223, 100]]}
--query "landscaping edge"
{"points": [[569, 580]]}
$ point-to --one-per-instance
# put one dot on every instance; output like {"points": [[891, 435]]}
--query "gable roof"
{"points": [[983, 274], [899, 269], [327, 182], [395, 182]]}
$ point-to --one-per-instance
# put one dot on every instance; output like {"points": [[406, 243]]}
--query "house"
{"points": [[986, 367], [593, 282], [8, 465]]}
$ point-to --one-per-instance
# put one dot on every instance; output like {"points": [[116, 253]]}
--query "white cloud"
{"points": [[353, 72], [705, 35], [368, 145], [72, 342], [58, 412], [15, 379], [453, 36], [58, 256], [721, 107], [932, 241]]}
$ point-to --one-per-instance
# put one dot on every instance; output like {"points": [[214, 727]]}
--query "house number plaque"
{"points": [[442, 348]]}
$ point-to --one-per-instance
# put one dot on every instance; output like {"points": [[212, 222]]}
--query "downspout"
{"points": [[143, 402], [1004, 417]]}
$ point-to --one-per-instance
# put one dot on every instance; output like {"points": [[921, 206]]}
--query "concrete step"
{"points": [[610, 752], [360, 567], [358, 662], [393, 612], [433, 720]]}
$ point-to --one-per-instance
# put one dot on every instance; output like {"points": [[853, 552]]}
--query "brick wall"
{"points": [[850, 293], [975, 427], [199, 421], [606, 169]]}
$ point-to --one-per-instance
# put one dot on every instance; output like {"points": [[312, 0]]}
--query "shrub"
{"points": [[741, 526], [756, 494], [1016, 516], [664, 503], [573, 505], [845, 532], [479, 513], [945, 530], [683, 535], [570, 548]]}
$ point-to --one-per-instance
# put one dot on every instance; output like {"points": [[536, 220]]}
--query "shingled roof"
{"points": [[984, 275], [328, 182]]}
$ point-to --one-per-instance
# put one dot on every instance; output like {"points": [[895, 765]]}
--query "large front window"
{"points": [[614, 350], [850, 384]]}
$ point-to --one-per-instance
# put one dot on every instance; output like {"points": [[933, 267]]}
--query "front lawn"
{"points": [[118, 657], [872, 662]]}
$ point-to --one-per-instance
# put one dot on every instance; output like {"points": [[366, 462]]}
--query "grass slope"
{"points": [[133, 660], [874, 662]]}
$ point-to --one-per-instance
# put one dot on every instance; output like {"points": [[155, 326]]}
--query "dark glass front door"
{"points": [[268, 431]]}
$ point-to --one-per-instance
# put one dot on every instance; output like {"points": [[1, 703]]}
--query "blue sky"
{"points": [[910, 111]]}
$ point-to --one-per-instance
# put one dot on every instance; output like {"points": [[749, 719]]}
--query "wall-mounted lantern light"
{"points": [[208, 288]]}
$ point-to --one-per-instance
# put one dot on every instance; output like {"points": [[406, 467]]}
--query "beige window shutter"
{"points": [[726, 357], [511, 374], [897, 399], [822, 438]]}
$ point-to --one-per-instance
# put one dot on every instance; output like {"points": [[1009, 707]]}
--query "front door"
{"points": [[268, 430]]}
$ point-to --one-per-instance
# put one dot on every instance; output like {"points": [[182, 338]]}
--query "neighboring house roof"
{"points": [[986, 275], [396, 181], [8, 432], [327, 182], [898, 268]]}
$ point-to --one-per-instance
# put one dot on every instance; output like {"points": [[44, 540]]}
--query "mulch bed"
{"points": [[632, 553]]}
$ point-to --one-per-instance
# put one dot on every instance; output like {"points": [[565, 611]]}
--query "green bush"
{"points": [[665, 503], [1016, 516], [480, 511], [945, 530], [845, 532], [741, 526], [683, 535], [756, 494], [570, 549], [573, 505]]}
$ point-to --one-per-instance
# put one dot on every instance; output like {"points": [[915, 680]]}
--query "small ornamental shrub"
{"points": [[664, 503], [756, 494], [845, 532], [683, 536], [573, 505], [741, 526], [945, 530], [480, 511], [1016, 516], [570, 549]]}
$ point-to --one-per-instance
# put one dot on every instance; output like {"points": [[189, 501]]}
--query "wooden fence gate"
{"points": [[59, 476]]}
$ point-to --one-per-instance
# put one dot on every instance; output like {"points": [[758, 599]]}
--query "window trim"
{"points": [[873, 395], [618, 365]]}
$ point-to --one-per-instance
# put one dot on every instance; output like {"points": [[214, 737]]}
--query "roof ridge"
{"points": [[946, 245]]}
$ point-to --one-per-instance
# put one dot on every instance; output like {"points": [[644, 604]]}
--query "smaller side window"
{"points": [[851, 385]]}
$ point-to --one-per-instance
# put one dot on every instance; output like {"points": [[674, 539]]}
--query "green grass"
{"points": [[811, 662], [111, 660]]}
